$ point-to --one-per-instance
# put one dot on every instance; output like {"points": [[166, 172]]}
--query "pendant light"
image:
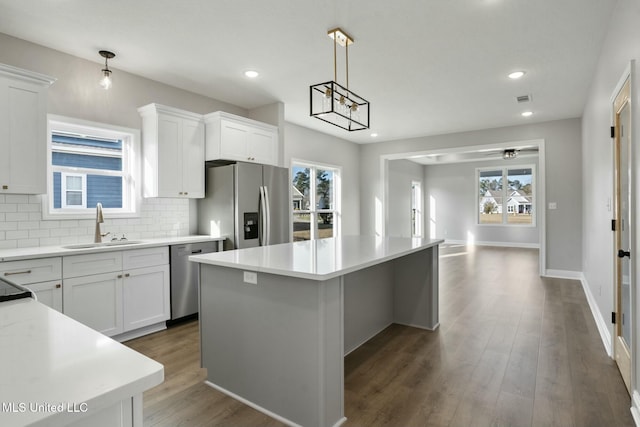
{"points": [[105, 81], [337, 104]]}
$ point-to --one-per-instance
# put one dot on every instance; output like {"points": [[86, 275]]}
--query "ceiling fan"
{"points": [[512, 153]]}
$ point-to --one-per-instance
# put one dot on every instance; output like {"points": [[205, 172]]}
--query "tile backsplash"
{"points": [[21, 223]]}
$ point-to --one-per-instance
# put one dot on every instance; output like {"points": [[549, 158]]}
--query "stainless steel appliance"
{"points": [[185, 277], [246, 202]]}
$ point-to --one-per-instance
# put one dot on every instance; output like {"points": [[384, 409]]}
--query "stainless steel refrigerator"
{"points": [[246, 202]]}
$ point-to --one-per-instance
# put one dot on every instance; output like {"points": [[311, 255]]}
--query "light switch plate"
{"points": [[251, 277]]}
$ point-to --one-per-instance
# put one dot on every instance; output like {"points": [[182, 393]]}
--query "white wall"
{"points": [[620, 47], [306, 144], [76, 94], [563, 179], [452, 187], [401, 175]]}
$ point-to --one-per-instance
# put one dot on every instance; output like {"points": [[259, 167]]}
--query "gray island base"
{"points": [[277, 321]]}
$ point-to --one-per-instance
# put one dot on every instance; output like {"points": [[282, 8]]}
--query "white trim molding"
{"points": [[564, 274], [603, 328], [499, 244], [635, 407]]}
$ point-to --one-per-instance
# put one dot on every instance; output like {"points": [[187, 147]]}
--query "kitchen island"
{"points": [[277, 321]]}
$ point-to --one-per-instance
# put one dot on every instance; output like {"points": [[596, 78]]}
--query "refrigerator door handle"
{"points": [[267, 227], [263, 217]]}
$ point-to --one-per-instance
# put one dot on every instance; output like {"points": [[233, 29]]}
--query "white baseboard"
{"points": [[263, 410], [602, 325], [254, 406], [499, 244], [635, 407], [564, 274]]}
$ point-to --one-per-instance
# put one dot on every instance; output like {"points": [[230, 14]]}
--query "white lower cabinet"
{"points": [[120, 300], [48, 293], [43, 276], [146, 297], [95, 301]]}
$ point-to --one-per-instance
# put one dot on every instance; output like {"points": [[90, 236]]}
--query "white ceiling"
{"points": [[426, 66]]}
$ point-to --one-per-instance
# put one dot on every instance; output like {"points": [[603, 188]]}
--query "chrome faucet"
{"points": [[99, 220]]}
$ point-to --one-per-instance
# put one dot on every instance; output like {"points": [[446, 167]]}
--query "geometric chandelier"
{"points": [[334, 103]]}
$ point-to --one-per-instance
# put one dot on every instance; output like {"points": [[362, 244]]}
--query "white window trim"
{"points": [[64, 190], [337, 196], [505, 195], [131, 174]]}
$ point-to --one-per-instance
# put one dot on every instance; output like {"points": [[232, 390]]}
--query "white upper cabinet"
{"points": [[23, 131], [173, 152], [231, 137]]}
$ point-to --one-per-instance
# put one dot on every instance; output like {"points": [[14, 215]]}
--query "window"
{"points": [[90, 163], [73, 190], [506, 196], [315, 201], [416, 209]]}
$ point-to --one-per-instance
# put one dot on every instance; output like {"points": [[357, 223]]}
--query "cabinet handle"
{"points": [[11, 273], [58, 285], [127, 275], [180, 193], [185, 193], [119, 276], [5, 187]]}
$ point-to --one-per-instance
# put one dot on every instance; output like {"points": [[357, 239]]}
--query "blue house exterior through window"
{"points": [[94, 161]]}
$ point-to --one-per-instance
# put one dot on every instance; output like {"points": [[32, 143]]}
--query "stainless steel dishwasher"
{"points": [[185, 277]]}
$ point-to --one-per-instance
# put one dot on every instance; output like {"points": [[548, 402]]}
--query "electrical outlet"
{"points": [[251, 277], [553, 205]]}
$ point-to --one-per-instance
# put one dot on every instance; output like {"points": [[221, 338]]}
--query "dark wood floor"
{"points": [[512, 350]]}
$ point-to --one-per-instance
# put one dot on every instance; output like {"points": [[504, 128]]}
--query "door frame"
{"points": [[382, 208], [628, 74]]}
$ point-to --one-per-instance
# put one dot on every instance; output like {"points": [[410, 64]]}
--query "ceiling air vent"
{"points": [[523, 98]]}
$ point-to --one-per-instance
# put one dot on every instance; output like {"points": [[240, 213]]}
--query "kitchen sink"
{"points": [[103, 244]]}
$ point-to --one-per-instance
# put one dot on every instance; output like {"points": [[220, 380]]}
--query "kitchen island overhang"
{"points": [[276, 321]]}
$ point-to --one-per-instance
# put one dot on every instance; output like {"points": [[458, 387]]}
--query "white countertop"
{"points": [[320, 259], [50, 251], [48, 358]]}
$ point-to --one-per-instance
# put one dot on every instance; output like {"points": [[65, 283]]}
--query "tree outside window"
{"points": [[314, 201]]}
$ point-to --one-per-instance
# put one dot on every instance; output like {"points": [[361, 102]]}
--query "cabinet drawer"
{"points": [[28, 271], [84, 265], [148, 257]]}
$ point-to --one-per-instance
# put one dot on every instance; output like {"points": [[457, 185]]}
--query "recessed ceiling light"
{"points": [[527, 113], [374, 135], [251, 74], [516, 75]]}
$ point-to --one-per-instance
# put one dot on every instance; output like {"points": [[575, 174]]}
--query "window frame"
{"points": [[505, 194], [64, 190], [131, 168], [314, 211]]}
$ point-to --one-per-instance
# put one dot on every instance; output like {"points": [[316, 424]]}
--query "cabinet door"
{"points": [[95, 301], [169, 156], [262, 146], [146, 297], [48, 293], [192, 158], [233, 140], [23, 116]]}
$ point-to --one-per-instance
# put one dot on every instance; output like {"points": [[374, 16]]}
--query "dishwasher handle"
{"points": [[197, 251]]}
